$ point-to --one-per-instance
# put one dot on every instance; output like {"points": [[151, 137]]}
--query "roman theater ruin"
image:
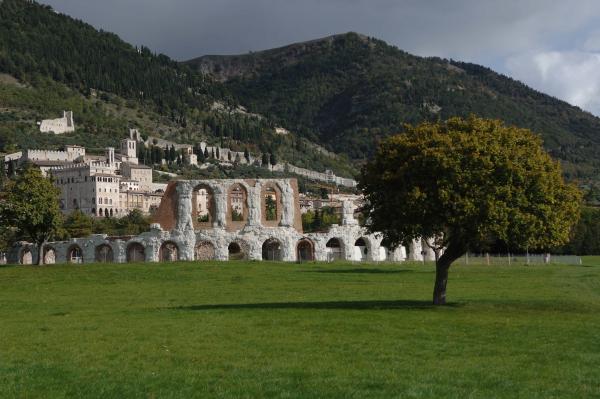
{"points": [[251, 219]]}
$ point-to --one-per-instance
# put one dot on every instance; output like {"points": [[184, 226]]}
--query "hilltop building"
{"points": [[112, 184], [59, 125]]}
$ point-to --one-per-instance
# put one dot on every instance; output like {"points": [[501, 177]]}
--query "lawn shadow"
{"points": [[331, 305], [360, 271]]}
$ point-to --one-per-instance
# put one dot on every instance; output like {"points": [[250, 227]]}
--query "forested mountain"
{"points": [[344, 92], [347, 91], [50, 62]]}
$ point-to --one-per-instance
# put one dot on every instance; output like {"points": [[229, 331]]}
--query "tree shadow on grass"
{"points": [[359, 271], [332, 305]]}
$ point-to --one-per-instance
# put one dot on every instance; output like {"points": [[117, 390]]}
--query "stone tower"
{"points": [[129, 151]]}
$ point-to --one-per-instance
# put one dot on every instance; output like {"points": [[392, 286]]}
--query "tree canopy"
{"points": [[464, 183], [29, 207]]}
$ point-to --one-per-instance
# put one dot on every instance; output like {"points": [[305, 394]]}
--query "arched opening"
{"points": [[237, 251], [104, 253], [169, 252], [334, 249], [106, 214], [361, 250], [75, 255], [111, 213], [136, 252], [49, 256], [204, 250], [271, 198], [204, 206], [26, 257], [305, 250], [100, 212], [238, 208], [271, 250]]}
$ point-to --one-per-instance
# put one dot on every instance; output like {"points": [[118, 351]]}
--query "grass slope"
{"points": [[309, 331]]}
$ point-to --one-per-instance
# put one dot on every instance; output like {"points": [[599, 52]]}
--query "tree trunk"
{"points": [[40, 254], [441, 280], [442, 265]]}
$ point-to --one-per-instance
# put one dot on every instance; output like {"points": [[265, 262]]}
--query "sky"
{"points": [[553, 46]]}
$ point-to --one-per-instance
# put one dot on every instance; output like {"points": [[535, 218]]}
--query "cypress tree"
{"points": [[247, 155], [218, 154], [205, 153]]}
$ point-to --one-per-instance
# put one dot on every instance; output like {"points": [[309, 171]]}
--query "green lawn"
{"points": [[299, 331]]}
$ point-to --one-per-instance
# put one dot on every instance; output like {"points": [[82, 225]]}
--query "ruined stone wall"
{"points": [[175, 235]]}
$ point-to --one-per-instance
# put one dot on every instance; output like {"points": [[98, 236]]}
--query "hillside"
{"points": [[348, 91], [50, 62]]}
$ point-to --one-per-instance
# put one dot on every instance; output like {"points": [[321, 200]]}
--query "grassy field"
{"points": [[299, 331]]}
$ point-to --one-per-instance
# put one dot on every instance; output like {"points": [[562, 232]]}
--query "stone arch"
{"points": [[26, 257], [271, 204], [237, 205], [104, 254], [238, 250], [203, 206], [334, 249], [75, 254], [305, 250], [136, 252], [272, 250], [169, 252], [204, 250], [362, 249], [49, 256]]}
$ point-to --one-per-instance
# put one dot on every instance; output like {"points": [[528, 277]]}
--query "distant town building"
{"points": [[60, 125]]}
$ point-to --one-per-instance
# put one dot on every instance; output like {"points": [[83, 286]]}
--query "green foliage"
{"points": [[65, 64], [469, 181], [271, 208], [320, 219], [465, 184], [29, 207], [585, 237], [236, 216], [78, 224]]}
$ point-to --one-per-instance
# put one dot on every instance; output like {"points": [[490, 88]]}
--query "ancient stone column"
{"points": [[220, 193], [254, 205], [287, 197], [184, 207]]}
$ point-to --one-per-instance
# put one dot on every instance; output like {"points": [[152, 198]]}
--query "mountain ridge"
{"points": [[348, 91]]}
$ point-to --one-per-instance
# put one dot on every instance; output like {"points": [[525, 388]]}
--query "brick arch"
{"points": [[135, 252], [237, 205], [169, 251], [335, 249], [272, 249], [49, 255], [238, 250], [203, 206], [305, 250], [204, 250], [104, 253], [75, 254], [271, 190]]}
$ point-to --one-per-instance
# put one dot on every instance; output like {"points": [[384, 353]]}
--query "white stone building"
{"points": [[59, 125]]}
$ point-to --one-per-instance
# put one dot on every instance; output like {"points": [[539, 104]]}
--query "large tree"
{"points": [[29, 205], [466, 182]]}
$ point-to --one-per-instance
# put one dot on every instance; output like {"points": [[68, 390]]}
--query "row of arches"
{"points": [[272, 250], [237, 210]]}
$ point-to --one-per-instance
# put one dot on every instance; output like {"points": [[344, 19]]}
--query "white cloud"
{"points": [[573, 76]]}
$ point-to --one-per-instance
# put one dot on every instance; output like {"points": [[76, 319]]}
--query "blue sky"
{"points": [[553, 46]]}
